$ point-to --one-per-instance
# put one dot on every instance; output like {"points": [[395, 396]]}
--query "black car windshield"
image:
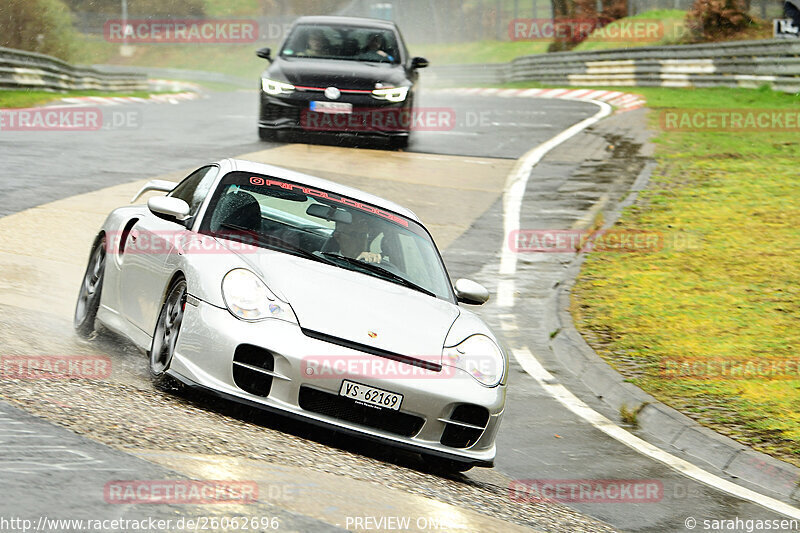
{"points": [[324, 226], [351, 43]]}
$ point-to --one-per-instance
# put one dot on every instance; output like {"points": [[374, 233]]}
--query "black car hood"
{"points": [[337, 73]]}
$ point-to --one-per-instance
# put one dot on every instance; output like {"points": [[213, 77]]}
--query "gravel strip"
{"points": [[126, 412]]}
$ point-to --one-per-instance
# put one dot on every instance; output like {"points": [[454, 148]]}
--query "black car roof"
{"points": [[344, 21]]}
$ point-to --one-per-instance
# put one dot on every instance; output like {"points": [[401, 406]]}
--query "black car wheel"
{"points": [[165, 337], [91, 289]]}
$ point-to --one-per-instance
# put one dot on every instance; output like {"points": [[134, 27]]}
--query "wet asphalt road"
{"points": [[42, 167], [39, 167]]}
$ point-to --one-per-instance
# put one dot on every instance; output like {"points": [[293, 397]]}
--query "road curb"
{"points": [[676, 430], [621, 101]]}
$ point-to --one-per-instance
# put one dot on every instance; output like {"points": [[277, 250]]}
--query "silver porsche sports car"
{"points": [[305, 297]]}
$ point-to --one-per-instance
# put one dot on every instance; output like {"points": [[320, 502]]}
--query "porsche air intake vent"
{"points": [[253, 369], [465, 426]]}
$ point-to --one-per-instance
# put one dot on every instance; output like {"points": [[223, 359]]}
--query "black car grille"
{"points": [[274, 113], [457, 436], [247, 359], [336, 406]]}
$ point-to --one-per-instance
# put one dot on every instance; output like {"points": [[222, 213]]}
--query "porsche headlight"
{"points": [[480, 357], [248, 298], [392, 94], [276, 88]]}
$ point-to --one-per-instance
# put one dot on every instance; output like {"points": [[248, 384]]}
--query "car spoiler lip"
{"points": [[155, 185]]}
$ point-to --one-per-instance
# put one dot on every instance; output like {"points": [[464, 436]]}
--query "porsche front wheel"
{"points": [[168, 326]]}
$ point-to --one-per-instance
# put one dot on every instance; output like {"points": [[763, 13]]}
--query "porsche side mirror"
{"points": [[469, 292], [170, 207], [264, 53], [419, 62]]}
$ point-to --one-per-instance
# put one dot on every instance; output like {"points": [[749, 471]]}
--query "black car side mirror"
{"points": [[419, 62], [264, 53]]}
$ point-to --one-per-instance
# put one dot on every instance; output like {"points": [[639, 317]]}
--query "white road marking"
{"points": [[558, 391], [515, 190]]}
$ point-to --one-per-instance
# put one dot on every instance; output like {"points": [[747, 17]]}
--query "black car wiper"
{"points": [[372, 267]]}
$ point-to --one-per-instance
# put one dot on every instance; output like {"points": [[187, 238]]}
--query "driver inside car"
{"points": [[374, 49], [353, 239]]}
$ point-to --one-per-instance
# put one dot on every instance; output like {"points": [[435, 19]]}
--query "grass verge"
{"points": [[709, 325], [23, 98], [724, 293]]}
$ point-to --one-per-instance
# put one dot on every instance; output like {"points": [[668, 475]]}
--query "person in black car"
{"points": [[317, 44], [374, 51]]}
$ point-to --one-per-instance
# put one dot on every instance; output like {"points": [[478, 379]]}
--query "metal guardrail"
{"points": [[774, 62], [29, 70]]}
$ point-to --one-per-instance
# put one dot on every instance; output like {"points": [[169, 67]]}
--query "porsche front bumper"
{"points": [[441, 412]]}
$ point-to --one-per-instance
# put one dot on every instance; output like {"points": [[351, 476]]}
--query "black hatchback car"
{"points": [[340, 75]]}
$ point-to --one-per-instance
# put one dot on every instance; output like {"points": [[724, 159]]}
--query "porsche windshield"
{"points": [[326, 227], [342, 42]]}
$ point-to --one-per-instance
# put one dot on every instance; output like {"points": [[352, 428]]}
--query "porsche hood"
{"points": [[359, 308]]}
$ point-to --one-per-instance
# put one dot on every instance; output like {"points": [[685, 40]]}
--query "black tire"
{"points": [[446, 466], [165, 336], [266, 134], [91, 290]]}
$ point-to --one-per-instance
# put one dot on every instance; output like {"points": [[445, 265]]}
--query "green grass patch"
{"points": [[669, 28], [726, 287], [232, 59], [231, 8], [23, 98]]}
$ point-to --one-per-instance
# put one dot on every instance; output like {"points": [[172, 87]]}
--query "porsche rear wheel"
{"points": [[168, 326], [91, 289]]}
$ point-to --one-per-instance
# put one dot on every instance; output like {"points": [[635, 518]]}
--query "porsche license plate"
{"points": [[371, 395], [332, 107]]}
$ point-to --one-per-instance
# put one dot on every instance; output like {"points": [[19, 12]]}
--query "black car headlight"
{"points": [[276, 88], [391, 94]]}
